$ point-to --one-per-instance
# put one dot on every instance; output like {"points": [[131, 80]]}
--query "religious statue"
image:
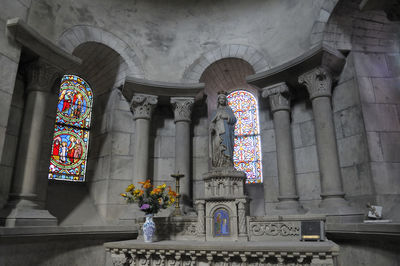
{"points": [[222, 136]]}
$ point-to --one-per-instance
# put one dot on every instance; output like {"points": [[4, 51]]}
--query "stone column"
{"points": [[142, 107], [318, 83], [201, 228], [278, 95], [182, 113], [26, 208]]}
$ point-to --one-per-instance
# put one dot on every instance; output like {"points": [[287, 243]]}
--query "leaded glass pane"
{"points": [[71, 134], [247, 151]]}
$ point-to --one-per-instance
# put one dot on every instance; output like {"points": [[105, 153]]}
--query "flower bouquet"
{"points": [[150, 200]]}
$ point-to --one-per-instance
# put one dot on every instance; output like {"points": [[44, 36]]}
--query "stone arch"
{"points": [[318, 28], [77, 35], [245, 52]]}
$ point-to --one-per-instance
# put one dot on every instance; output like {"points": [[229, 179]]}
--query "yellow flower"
{"points": [[123, 194], [130, 188], [163, 186], [259, 181]]}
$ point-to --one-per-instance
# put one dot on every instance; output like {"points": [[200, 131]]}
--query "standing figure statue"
{"points": [[222, 128]]}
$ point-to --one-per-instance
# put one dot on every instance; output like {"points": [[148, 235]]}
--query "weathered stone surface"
{"points": [[302, 112], [351, 121], [164, 147], [381, 117], [306, 159], [121, 167], [352, 150], [200, 166], [120, 143], [307, 130], [385, 177], [386, 90], [268, 141], [371, 65], [200, 146], [309, 186], [345, 95], [390, 146], [269, 164], [366, 90], [296, 136], [374, 146], [5, 102]]}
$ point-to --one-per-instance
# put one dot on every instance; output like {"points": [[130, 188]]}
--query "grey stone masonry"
{"points": [[142, 107], [279, 100], [182, 115], [24, 204]]}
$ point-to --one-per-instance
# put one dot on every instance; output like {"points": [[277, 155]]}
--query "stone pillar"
{"points": [[278, 95], [182, 113], [142, 107], [201, 227], [318, 83], [241, 206], [25, 209]]}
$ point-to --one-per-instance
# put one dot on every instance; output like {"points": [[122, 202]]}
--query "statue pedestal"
{"points": [[226, 205]]}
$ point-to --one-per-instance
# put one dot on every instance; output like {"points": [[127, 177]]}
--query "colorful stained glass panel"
{"points": [[247, 151], [71, 134]]}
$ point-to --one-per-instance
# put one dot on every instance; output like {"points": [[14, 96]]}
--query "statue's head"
{"points": [[222, 98]]}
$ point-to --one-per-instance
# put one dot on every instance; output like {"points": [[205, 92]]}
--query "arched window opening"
{"points": [[247, 151], [71, 134]]}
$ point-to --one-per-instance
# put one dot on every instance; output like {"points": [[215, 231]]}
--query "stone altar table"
{"points": [[136, 252]]}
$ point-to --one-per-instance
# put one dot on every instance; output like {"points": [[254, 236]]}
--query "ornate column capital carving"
{"points": [[42, 75], [278, 95], [318, 82], [142, 106], [182, 108]]}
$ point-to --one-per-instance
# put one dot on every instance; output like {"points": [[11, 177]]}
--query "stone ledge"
{"points": [[42, 47], [364, 230], [267, 246], [8, 232]]}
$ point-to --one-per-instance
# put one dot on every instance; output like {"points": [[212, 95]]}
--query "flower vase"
{"points": [[149, 228]]}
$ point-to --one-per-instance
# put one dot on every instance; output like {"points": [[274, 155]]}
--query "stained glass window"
{"points": [[71, 134], [247, 151]]}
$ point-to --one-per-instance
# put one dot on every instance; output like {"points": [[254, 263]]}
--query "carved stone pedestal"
{"points": [[226, 206]]}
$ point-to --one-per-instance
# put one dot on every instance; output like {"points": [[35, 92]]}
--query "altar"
{"points": [[168, 252]]}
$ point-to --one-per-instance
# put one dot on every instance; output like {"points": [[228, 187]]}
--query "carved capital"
{"points": [[278, 95], [142, 106], [42, 75], [182, 108], [318, 82]]}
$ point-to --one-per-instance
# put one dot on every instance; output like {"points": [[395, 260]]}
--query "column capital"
{"points": [[278, 95], [318, 82], [182, 108], [42, 75], [143, 105]]}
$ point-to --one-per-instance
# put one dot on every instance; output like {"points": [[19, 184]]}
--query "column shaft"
{"points": [[25, 178], [318, 83], [142, 107], [284, 149], [331, 182], [182, 157], [182, 115], [141, 150], [280, 107]]}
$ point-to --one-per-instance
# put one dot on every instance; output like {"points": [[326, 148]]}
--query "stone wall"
{"points": [[373, 64], [9, 58]]}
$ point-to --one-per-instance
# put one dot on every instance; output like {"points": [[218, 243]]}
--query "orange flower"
{"points": [[172, 193], [155, 191], [146, 184], [141, 192]]}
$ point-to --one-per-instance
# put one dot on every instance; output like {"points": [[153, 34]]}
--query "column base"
{"points": [[16, 217], [336, 205], [288, 205]]}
